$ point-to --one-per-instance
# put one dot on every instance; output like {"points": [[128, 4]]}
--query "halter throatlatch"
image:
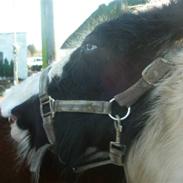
{"points": [[151, 75]]}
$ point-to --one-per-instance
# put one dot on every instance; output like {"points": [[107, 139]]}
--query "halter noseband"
{"points": [[151, 75]]}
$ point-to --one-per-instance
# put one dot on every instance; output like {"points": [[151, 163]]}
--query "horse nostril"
{"points": [[12, 119]]}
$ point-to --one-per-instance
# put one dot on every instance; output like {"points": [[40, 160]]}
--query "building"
{"points": [[8, 41]]}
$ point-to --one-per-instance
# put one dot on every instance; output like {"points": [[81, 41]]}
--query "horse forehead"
{"points": [[20, 93]]}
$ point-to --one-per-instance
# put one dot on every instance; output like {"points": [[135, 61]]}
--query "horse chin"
{"points": [[18, 134], [22, 141]]}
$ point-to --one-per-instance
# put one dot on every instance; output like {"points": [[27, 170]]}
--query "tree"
{"points": [[1, 64], [6, 67], [11, 69], [1, 68]]}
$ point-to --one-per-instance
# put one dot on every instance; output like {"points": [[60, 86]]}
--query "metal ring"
{"points": [[122, 118]]}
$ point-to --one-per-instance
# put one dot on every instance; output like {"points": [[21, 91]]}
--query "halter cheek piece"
{"points": [[151, 75]]}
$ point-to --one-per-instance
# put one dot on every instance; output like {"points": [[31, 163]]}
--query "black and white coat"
{"points": [[109, 61]]}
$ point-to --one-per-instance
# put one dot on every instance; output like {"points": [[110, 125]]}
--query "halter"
{"points": [[151, 75]]}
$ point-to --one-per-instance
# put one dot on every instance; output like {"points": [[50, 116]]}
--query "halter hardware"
{"points": [[46, 106], [117, 150], [121, 118], [151, 75]]}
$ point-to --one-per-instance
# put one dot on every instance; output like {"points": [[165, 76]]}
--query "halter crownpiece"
{"points": [[151, 75]]}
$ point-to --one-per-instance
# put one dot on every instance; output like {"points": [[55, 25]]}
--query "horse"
{"points": [[98, 95], [11, 172]]}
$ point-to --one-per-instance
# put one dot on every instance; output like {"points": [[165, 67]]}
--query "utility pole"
{"points": [[124, 6], [47, 27], [14, 45], [15, 64]]}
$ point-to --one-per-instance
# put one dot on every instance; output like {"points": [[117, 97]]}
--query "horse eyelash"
{"points": [[90, 47]]}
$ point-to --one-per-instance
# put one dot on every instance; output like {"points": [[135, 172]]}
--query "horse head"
{"points": [[109, 61]]}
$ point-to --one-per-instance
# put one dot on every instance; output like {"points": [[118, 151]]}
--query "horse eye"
{"points": [[90, 47]]}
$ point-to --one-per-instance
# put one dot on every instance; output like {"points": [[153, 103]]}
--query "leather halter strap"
{"points": [[46, 106], [151, 75]]}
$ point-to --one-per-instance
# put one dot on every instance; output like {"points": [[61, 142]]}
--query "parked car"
{"points": [[35, 63]]}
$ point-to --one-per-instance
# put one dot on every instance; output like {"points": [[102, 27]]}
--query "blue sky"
{"points": [[24, 16]]}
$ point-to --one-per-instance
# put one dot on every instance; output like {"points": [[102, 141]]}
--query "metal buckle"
{"points": [[46, 106], [117, 150], [121, 118], [117, 153]]}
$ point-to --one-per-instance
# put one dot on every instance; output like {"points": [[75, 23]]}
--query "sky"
{"points": [[24, 16]]}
